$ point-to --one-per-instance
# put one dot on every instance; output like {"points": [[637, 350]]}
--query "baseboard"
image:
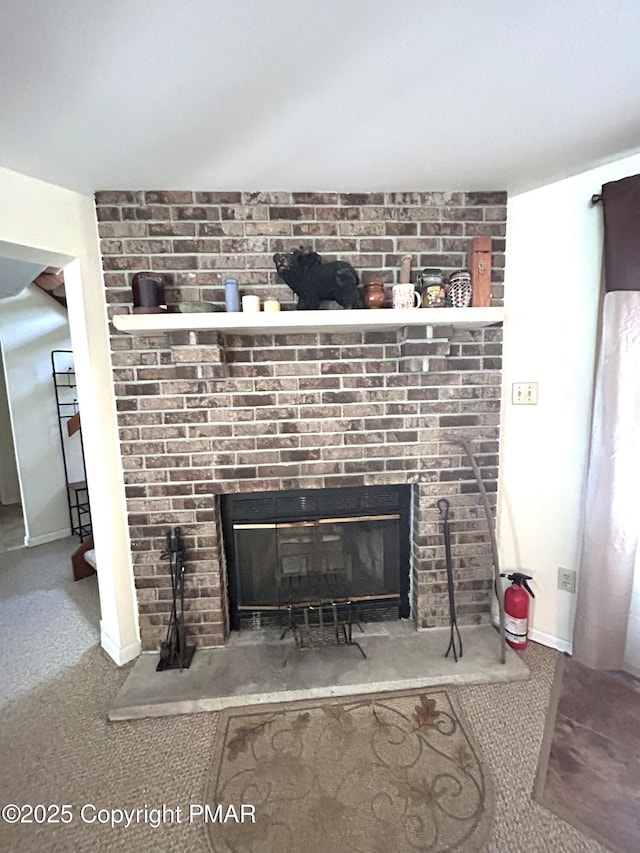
{"points": [[566, 646], [631, 670], [31, 541], [551, 641], [120, 655]]}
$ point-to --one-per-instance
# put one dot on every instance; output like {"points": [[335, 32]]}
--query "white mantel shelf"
{"points": [[291, 322]]}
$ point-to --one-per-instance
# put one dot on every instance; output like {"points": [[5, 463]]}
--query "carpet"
{"points": [[370, 774], [589, 767], [11, 527]]}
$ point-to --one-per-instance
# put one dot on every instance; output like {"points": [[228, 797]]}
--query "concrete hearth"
{"points": [[256, 667]]}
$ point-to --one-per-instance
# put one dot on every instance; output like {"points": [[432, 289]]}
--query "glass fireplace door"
{"points": [[309, 560]]}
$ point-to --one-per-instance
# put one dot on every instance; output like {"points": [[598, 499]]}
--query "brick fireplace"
{"points": [[203, 414]]}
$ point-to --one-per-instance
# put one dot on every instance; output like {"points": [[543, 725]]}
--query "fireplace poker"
{"points": [[174, 651], [497, 583], [443, 502]]}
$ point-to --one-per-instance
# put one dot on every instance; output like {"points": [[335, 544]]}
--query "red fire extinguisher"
{"points": [[516, 610]]}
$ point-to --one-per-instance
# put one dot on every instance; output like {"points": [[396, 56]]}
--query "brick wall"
{"points": [[202, 414]]}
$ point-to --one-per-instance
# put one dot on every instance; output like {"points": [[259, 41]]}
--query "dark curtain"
{"points": [[621, 203]]}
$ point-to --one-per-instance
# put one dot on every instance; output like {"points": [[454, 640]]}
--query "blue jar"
{"points": [[231, 295]]}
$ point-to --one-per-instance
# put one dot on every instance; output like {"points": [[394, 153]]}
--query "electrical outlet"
{"points": [[524, 394], [567, 579]]}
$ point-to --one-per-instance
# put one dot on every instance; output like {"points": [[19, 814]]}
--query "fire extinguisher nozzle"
{"points": [[520, 580]]}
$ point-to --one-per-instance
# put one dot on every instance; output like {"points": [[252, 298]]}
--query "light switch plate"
{"points": [[524, 394]]}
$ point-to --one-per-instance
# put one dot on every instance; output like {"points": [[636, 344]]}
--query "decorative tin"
{"points": [[431, 284]]}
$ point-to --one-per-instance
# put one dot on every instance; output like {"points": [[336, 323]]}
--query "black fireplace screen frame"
{"points": [[314, 505]]}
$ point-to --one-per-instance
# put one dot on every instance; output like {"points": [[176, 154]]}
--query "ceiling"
{"points": [[351, 95], [16, 275]]}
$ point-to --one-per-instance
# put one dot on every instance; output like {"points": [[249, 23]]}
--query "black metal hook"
{"points": [[446, 509]]}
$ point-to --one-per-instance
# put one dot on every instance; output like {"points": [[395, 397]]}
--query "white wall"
{"points": [[9, 484], [42, 223], [31, 325], [552, 297]]}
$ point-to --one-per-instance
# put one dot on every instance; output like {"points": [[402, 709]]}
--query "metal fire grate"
{"points": [[323, 623]]}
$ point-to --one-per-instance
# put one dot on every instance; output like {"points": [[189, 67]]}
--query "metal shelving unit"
{"points": [[64, 382]]}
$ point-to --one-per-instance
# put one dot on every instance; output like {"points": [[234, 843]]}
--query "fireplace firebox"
{"points": [[291, 547]]}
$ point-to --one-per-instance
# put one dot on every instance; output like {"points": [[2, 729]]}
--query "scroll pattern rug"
{"points": [[370, 774]]}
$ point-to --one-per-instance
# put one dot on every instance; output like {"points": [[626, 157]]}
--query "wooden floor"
{"points": [[592, 777]]}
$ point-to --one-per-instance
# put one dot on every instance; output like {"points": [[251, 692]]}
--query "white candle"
{"points": [[251, 303]]}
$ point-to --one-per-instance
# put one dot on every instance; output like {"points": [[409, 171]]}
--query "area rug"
{"points": [[589, 768], [368, 774]]}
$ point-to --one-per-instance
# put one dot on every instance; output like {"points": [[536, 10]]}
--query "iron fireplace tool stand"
{"points": [[443, 502], [174, 651], [492, 536]]}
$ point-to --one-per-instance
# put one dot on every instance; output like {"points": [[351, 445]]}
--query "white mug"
{"points": [[251, 304], [405, 296]]}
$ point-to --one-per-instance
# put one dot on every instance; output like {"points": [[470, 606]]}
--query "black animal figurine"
{"points": [[313, 282]]}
